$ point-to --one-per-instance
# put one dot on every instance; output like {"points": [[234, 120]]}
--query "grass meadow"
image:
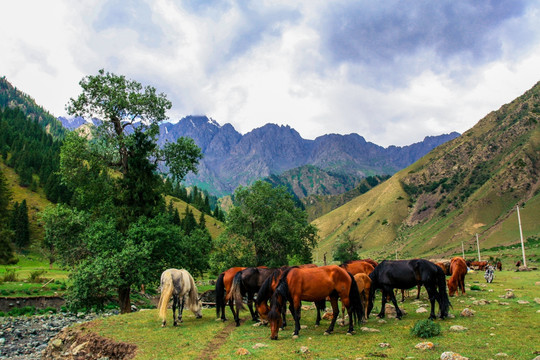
{"points": [[499, 326]]}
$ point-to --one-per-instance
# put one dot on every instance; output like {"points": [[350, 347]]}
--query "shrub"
{"points": [[10, 275], [35, 276], [476, 288], [426, 328]]}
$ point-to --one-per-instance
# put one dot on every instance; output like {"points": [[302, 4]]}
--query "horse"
{"points": [[180, 285], [489, 274], [458, 268], [354, 267], [364, 284], [477, 265], [223, 286], [499, 265], [314, 284], [247, 281], [269, 286], [404, 274]]}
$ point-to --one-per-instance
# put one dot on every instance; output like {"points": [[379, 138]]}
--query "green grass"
{"points": [[495, 328]]}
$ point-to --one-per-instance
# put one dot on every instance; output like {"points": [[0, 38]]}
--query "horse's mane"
{"points": [[265, 292], [282, 290], [193, 295]]}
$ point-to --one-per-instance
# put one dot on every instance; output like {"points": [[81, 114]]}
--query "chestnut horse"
{"points": [[458, 269], [314, 284], [364, 284], [223, 286], [269, 286], [357, 266]]}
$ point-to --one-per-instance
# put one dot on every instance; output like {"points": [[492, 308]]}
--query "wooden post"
{"points": [[478, 247], [521, 237], [462, 250]]}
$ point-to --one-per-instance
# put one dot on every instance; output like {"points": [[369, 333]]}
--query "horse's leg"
{"points": [[174, 305], [418, 293], [402, 295], [399, 314], [320, 305], [181, 308], [296, 311], [284, 314], [462, 285], [235, 314], [335, 314], [433, 295], [254, 316], [383, 303]]}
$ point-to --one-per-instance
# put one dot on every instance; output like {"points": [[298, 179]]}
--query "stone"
{"points": [[467, 312], [57, 343], [428, 345], [458, 328], [259, 345], [450, 355], [421, 310], [304, 350], [501, 354], [509, 295], [366, 329], [384, 345], [522, 302], [537, 300], [327, 316], [303, 327], [306, 307], [242, 351], [78, 348]]}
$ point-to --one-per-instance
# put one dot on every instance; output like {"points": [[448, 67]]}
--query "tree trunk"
{"points": [[124, 300]]}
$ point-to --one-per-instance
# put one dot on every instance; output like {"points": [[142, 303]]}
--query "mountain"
{"points": [[231, 159], [12, 97], [467, 186]]}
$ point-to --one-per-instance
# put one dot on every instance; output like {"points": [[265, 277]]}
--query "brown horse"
{"points": [[223, 287], [458, 267], [314, 284], [477, 265], [364, 284], [357, 266]]}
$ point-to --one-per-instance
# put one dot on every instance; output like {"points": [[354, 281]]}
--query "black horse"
{"points": [[405, 274], [248, 282]]}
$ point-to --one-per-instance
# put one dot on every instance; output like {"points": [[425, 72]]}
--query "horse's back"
{"points": [[402, 274], [313, 284]]}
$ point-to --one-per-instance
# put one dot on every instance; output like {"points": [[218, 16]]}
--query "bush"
{"points": [[35, 276], [476, 288], [426, 328], [10, 276]]}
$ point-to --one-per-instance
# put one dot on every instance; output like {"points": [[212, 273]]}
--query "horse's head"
{"points": [[452, 287], [274, 315], [263, 309]]}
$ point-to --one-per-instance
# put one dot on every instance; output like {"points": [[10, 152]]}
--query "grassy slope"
{"points": [[495, 328], [215, 227], [489, 211]]}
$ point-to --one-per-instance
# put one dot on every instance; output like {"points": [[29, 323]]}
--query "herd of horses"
{"points": [[354, 283]]}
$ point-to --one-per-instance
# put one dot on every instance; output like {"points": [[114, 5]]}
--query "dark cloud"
{"points": [[383, 37], [133, 15]]}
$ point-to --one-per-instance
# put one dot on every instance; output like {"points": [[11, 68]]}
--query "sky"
{"points": [[392, 71]]}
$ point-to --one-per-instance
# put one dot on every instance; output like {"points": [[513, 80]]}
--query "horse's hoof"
{"points": [[326, 333], [295, 336]]}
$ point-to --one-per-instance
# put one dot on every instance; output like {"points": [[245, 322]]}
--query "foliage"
{"points": [[7, 250], [426, 328], [20, 225], [36, 276], [346, 249], [476, 288], [267, 227], [10, 275]]}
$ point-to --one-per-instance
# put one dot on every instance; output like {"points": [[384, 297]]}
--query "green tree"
{"points": [[346, 250], [266, 223], [20, 224], [119, 237], [7, 250]]}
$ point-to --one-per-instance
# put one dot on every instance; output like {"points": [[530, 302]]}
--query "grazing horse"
{"points": [[499, 265], [357, 266], [364, 284], [458, 268], [180, 285], [223, 286], [267, 290], [404, 274], [477, 265], [247, 282], [314, 284]]}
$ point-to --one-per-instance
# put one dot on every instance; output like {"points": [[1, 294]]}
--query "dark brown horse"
{"points": [[458, 268], [267, 290], [248, 282], [223, 286], [314, 284]]}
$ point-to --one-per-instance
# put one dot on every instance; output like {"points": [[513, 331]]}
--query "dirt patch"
{"points": [[75, 344], [210, 352], [39, 302]]}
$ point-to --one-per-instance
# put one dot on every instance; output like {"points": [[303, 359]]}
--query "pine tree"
{"points": [[7, 251], [189, 223], [202, 221]]}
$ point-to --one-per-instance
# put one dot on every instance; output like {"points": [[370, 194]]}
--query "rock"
{"points": [[242, 351], [480, 302], [421, 310], [504, 303], [303, 327], [384, 345], [458, 328], [450, 355], [537, 300], [522, 302], [381, 321], [501, 354], [78, 348], [259, 345], [304, 350], [366, 329], [424, 345], [306, 307], [509, 295], [327, 316], [57, 343], [257, 324], [467, 312]]}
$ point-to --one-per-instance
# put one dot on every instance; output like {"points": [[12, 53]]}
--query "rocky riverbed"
{"points": [[27, 337]]}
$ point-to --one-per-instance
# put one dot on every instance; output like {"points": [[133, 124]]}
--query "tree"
{"points": [[20, 225], [118, 235], [267, 227], [347, 249], [7, 251]]}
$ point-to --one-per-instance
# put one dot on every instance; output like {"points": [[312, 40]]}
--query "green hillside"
{"points": [[469, 185]]}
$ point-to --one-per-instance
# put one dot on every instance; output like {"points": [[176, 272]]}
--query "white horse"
{"points": [[180, 285]]}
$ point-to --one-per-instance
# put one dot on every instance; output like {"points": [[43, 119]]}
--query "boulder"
{"points": [[450, 355]]}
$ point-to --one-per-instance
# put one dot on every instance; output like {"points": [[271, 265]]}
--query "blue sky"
{"points": [[391, 71]]}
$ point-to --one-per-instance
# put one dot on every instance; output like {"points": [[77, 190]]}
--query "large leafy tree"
{"points": [[266, 228], [117, 231]]}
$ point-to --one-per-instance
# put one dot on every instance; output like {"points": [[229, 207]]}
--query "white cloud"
{"points": [[319, 67]]}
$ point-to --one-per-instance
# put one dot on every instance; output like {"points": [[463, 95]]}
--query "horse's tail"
{"points": [[372, 289], [166, 293], [444, 301], [236, 292], [356, 308], [193, 297], [220, 294]]}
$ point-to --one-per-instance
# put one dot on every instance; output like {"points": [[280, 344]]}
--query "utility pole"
{"points": [[462, 250], [478, 247], [521, 237]]}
